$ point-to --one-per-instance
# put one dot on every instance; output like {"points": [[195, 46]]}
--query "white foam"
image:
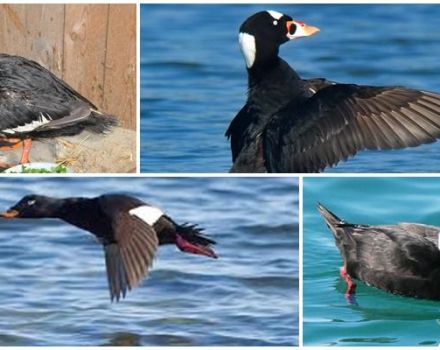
{"points": [[147, 213]]}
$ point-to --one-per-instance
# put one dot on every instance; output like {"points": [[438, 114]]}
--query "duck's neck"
{"points": [[272, 85], [83, 213]]}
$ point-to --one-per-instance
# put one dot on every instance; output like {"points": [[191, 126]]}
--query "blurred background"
{"points": [[54, 285], [194, 81], [379, 318]]}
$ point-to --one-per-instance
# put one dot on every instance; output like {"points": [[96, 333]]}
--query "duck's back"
{"points": [[22, 75], [402, 259]]}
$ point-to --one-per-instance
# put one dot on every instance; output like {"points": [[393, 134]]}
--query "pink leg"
{"points": [[27, 145], [193, 248], [351, 286]]}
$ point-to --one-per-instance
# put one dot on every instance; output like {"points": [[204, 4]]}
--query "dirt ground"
{"points": [[84, 153]]}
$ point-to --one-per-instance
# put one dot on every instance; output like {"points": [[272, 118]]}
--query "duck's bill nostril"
{"points": [[9, 214]]}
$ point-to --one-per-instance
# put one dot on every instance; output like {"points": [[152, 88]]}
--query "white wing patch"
{"points": [[275, 14], [146, 213], [42, 120], [248, 48]]}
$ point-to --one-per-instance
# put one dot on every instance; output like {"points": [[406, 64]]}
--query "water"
{"points": [[193, 78], [54, 288], [380, 318]]}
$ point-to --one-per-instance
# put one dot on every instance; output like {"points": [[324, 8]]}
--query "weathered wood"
{"points": [[91, 46], [13, 29], [120, 67], [44, 36], [85, 38]]}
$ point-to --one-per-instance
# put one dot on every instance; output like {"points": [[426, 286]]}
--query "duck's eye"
{"points": [[292, 29], [31, 202], [275, 23]]}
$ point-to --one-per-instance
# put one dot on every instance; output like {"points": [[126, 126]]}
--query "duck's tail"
{"points": [[341, 229], [331, 219], [102, 123]]}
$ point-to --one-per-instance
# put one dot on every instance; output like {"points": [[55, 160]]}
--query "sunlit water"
{"points": [[379, 318], [54, 287], [193, 78]]}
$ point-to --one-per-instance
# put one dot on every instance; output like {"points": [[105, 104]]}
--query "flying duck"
{"points": [[35, 104], [402, 259], [295, 125], [129, 229]]}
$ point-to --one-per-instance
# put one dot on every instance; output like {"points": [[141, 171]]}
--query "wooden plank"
{"points": [[45, 38], [85, 38], [13, 29], [91, 46], [120, 65]]}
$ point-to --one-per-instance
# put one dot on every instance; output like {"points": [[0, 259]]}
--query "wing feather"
{"points": [[340, 120]]}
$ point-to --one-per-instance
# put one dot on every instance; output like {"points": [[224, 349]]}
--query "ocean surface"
{"points": [[54, 286], [193, 77], [379, 318]]}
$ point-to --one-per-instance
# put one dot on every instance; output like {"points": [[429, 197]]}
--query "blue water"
{"points": [[54, 288], [193, 78], [379, 318]]}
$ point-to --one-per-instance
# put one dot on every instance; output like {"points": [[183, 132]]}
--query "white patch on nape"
{"points": [[42, 120], [147, 213], [275, 14], [248, 48]]}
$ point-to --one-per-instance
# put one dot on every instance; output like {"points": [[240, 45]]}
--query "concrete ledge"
{"points": [[85, 153]]}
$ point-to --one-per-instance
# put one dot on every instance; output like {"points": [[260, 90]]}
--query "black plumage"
{"points": [[296, 125], [35, 104], [130, 239], [402, 259]]}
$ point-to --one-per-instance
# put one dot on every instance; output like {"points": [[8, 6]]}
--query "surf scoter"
{"points": [[35, 104], [402, 259], [294, 125], [129, 229]]}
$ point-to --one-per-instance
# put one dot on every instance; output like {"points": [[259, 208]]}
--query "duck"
{"points": [[129, 229], [402, 259], [35, 104], [295, 125]]}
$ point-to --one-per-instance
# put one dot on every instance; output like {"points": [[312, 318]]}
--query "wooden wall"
{"points": [[90, 46]]}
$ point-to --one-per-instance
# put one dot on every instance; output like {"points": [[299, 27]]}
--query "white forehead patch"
{"points": [[276, 15], [248, 48], [146, 213]]}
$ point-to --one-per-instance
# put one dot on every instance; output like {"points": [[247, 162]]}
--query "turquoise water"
{"points": [[379, 318], [193, 77], [53, 286]]}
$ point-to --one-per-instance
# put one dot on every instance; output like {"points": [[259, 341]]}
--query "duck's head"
{"points": [[262, 34], [33, 206]]}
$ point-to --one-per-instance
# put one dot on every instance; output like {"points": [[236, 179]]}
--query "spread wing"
{"points": [[339, 120], [130, 254]]}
